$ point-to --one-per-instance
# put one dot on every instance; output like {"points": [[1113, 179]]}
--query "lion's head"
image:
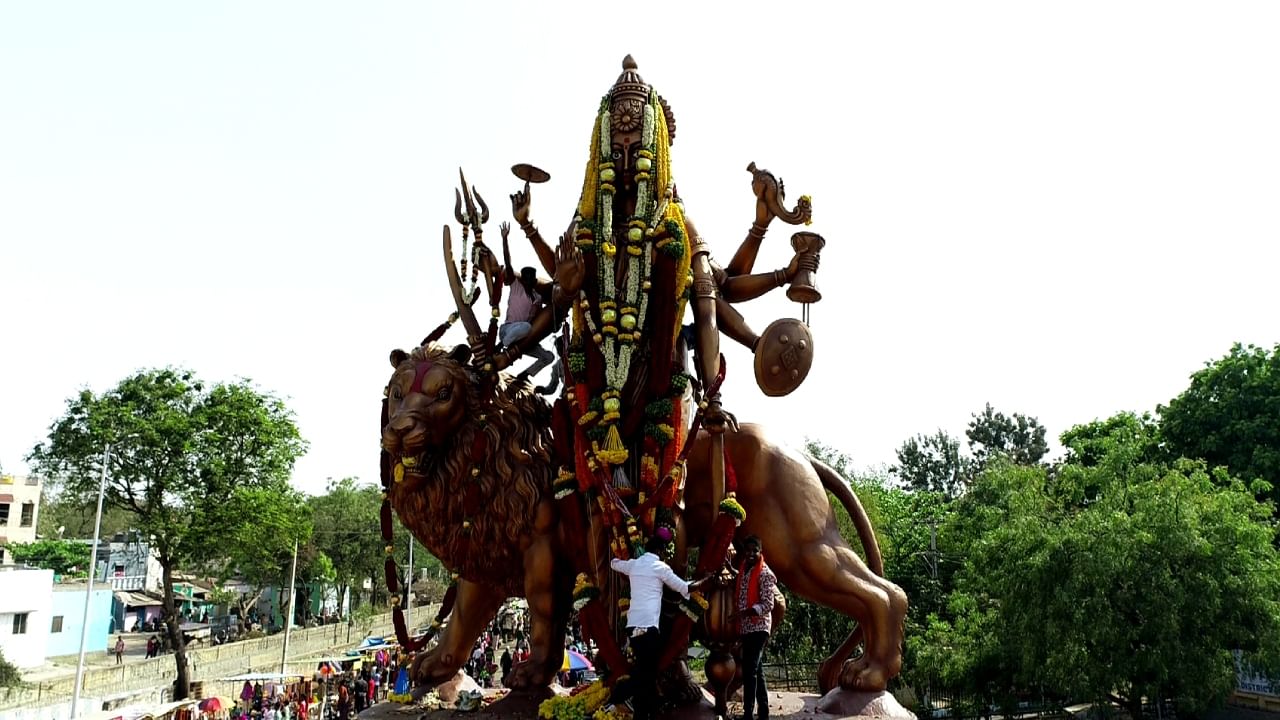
{"points": [[426, 399], [472, 462]]}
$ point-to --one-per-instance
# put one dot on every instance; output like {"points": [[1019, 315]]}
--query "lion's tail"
{"points": [[829, 670]]}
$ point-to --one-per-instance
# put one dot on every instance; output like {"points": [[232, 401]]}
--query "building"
{"points": [[67, 618], [19, 510], [25, 617], [133, 611], [131, 564]]}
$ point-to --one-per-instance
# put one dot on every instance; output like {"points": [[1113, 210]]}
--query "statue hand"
{"points": [[521, 201], [478, 347], [802, 260], [793, 267], [570, 270]]}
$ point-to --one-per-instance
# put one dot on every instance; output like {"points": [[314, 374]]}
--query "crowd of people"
{"points": [[485, 665], [332, 692]]}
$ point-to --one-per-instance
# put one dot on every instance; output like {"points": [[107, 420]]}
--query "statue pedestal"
{"points": [[860, 704]]}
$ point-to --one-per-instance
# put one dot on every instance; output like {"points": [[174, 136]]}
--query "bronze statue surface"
{"points": [[516, 546], [523, 498]]}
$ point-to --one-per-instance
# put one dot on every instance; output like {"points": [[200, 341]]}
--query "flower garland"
{"points": [[613, 316], [578, 705], [658, 223]]}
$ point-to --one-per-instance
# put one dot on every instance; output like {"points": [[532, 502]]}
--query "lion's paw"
{"points": [[527, 676], [863, 674]]}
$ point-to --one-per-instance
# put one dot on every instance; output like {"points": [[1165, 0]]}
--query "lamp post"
{"points": [[408, 592], [288, 620], [88, 591]]}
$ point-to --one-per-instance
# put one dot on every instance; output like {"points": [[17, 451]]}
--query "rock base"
{"points": [[858, 704]]}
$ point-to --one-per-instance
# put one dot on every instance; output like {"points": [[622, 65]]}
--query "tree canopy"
{"points": [[1138, 587], [1230, 416], [935, 463], [347, 531], [63, 557], [181, 454]]}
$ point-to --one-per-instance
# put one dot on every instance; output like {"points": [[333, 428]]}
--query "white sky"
{"points": [[1063, 209]]}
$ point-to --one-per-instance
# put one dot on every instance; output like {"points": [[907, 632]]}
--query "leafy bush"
{"points": [[9, 674]]}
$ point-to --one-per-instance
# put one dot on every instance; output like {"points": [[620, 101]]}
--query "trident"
{"points": [[470, 217]]}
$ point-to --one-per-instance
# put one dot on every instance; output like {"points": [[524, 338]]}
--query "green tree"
{"points": [[1139, 589], [347, 526], [1230, 416], [317, 575], [67, 514], [10, 675], [933, 463], [1018, 437], [179, 452], [262, 523], [63, 557]]}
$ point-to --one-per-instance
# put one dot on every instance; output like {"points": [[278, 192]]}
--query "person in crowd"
{"points": [[119, 649], [755, 598], [648, 575], [506, 662]]}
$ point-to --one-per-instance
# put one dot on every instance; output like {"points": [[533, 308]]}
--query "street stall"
{"points": [[266, 688]]}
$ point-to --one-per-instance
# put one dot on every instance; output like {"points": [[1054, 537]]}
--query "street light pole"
{"points": [[88, 591], [293, 597], [408, 582]]}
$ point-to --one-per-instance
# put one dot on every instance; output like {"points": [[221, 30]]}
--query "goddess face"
{"points": [[626, 150]]}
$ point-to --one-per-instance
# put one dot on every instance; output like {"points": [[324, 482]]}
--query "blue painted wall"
{"points": [[70, 605]]}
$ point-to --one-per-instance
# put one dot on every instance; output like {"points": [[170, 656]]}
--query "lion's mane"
{"points": [[515, 473]]}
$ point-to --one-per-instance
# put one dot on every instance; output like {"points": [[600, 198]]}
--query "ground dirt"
{"points": [[516, 706]]}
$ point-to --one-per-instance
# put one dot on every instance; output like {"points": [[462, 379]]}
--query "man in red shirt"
{"points": [[756, 589]]}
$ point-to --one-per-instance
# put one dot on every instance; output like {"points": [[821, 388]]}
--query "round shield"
{"points": [[529, 173], [783, 357]]}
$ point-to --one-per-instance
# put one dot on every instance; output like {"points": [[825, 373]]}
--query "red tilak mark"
{"points": [[424, 367]]}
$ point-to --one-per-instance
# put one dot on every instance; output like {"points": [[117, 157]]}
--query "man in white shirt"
{"points": [[648, 575]]}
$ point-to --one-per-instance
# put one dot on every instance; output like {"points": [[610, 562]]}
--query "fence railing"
{"points": [[127, 582], [931, 701]]}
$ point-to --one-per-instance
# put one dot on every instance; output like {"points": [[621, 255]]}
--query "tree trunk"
{"points": [[308, 594], [181, 684], [281, 606], [243, 605]]}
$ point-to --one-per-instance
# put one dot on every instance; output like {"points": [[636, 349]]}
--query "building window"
{"points": [[28, 514], [1, 556], [118, 570], [20, 623], [4, 513], [57, 624]]}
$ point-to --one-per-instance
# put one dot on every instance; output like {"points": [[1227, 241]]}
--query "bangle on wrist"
{"points": [[780, 277], [528, 227]]}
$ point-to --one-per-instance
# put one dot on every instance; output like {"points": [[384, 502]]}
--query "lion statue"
{"points": [[474, 484]]}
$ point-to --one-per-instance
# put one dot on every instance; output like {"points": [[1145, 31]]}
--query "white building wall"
{"points": [[18, 492], [29, 593]]}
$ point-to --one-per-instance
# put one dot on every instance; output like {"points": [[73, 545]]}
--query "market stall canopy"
{"points": [[574, 660], [213, 704], [373, 648], [137, 599]]}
